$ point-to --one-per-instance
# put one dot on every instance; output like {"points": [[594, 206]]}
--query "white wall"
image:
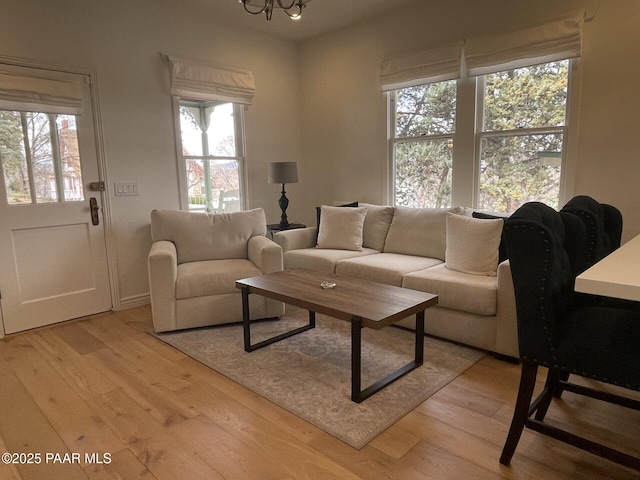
{"points": [[122, 41], [344, 113]]}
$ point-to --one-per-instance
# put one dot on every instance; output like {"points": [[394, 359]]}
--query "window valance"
{"points": [[552, 41], [418, 68], [199, 81], [32, 94]]}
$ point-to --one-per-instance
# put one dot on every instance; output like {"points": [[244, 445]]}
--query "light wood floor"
{"points": [[102, 386]]}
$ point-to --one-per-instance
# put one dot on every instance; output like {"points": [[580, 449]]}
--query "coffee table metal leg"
{"points": [[356, 360], [247, 328], [357, 394], [419, 338], [245, 319]]}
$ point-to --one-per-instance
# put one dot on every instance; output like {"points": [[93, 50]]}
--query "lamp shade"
{"points": [[283, 172]]}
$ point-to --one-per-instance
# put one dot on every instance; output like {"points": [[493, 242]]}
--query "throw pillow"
{"points": [[472, 244], [502, 249], [319, 215], [341, 228], [376, 225]]}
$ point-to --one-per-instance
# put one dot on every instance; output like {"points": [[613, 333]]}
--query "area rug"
{"points": [[310, 374]]}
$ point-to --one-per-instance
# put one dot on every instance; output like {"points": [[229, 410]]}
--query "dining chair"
{"points": [[560, 332], [603, 223]]}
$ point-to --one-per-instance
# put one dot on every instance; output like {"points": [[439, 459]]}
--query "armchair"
{"points": [[559, 331], [195, 260]]}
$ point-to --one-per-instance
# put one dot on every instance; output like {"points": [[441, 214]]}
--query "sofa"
{"points": [[454, 253], [195, 260]]}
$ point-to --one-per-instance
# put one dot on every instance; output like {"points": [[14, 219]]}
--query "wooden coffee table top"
{"points": [[377, 304]]}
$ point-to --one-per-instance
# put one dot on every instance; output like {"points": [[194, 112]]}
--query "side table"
{"points": [[276, 227]]}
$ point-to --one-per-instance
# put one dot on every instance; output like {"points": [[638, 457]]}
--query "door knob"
{"points": [[93, 205]]}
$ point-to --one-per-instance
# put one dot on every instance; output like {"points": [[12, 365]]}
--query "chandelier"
{"points": [[293, 8]]}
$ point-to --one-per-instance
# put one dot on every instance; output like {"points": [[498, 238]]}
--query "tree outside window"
{"points": [[40, 157], [519, 140]]}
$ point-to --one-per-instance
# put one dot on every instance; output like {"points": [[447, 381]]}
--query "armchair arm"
{"points": [[162, 264], [296, 238], [266, 255]]}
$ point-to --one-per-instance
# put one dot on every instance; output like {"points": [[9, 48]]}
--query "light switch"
{"points": [[127, 189]]}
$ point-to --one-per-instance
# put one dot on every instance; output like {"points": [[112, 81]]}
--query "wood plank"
{"points": [[152, 443], [125, 342], [157, 401], [81, 430], [124, 464], [25, 428], [85, 380], [172, 417]]}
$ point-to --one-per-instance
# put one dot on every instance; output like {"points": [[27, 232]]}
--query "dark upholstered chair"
{"points": [[559, 331], [603, 223]]}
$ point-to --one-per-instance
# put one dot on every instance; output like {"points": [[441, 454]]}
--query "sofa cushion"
{"points": [[341, 228], [321, 259], [419, 231], [204, 236], [213, 277], [376, 225], [472, 244], [456, 290], [386, 268]]}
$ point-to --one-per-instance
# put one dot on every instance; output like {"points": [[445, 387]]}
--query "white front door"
{"points": [[53, 263]]}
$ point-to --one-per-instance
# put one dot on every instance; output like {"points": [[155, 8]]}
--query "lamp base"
{"points": [[284, 203]]}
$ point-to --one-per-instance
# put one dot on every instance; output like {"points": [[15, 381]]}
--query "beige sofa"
{"points": [[195, 260], [420, 249]]}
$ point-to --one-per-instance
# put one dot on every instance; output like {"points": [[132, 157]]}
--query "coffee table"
{"points": [[363, 303]]}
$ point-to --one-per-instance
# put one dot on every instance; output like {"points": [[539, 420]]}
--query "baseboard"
{"points": [[134, 301]]}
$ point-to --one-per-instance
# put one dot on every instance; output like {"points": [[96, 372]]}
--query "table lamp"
{"points": [[283, 172]]}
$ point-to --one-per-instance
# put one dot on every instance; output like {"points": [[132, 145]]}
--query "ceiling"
{"points": [[319, 17]]}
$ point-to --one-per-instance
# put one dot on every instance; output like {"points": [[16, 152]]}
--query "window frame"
{"points": [[468, 135], [181, 160]]}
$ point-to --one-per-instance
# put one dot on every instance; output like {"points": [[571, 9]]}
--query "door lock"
{"points": [[97, 186]]}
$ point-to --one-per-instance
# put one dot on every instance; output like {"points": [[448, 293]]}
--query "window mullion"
{"points": [[464, 145], [57, 161], [27, 154]]}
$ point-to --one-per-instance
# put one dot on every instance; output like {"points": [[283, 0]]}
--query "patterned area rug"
{"points": [[310, 374]]}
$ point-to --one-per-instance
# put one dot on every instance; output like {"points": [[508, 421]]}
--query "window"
{"points": [[209, 103], [425, 120], [518, 138], [210, 133], [484, 121], [40, 158], [522, 139]]}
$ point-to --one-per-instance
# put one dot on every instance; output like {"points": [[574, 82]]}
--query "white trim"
{"points": [[134, 301], [181, 164]]}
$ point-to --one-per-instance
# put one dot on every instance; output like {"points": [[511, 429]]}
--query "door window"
{"points": [[39, 157]]}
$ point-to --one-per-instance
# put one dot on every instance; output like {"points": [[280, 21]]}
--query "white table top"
{"points": [[616, 275]]}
